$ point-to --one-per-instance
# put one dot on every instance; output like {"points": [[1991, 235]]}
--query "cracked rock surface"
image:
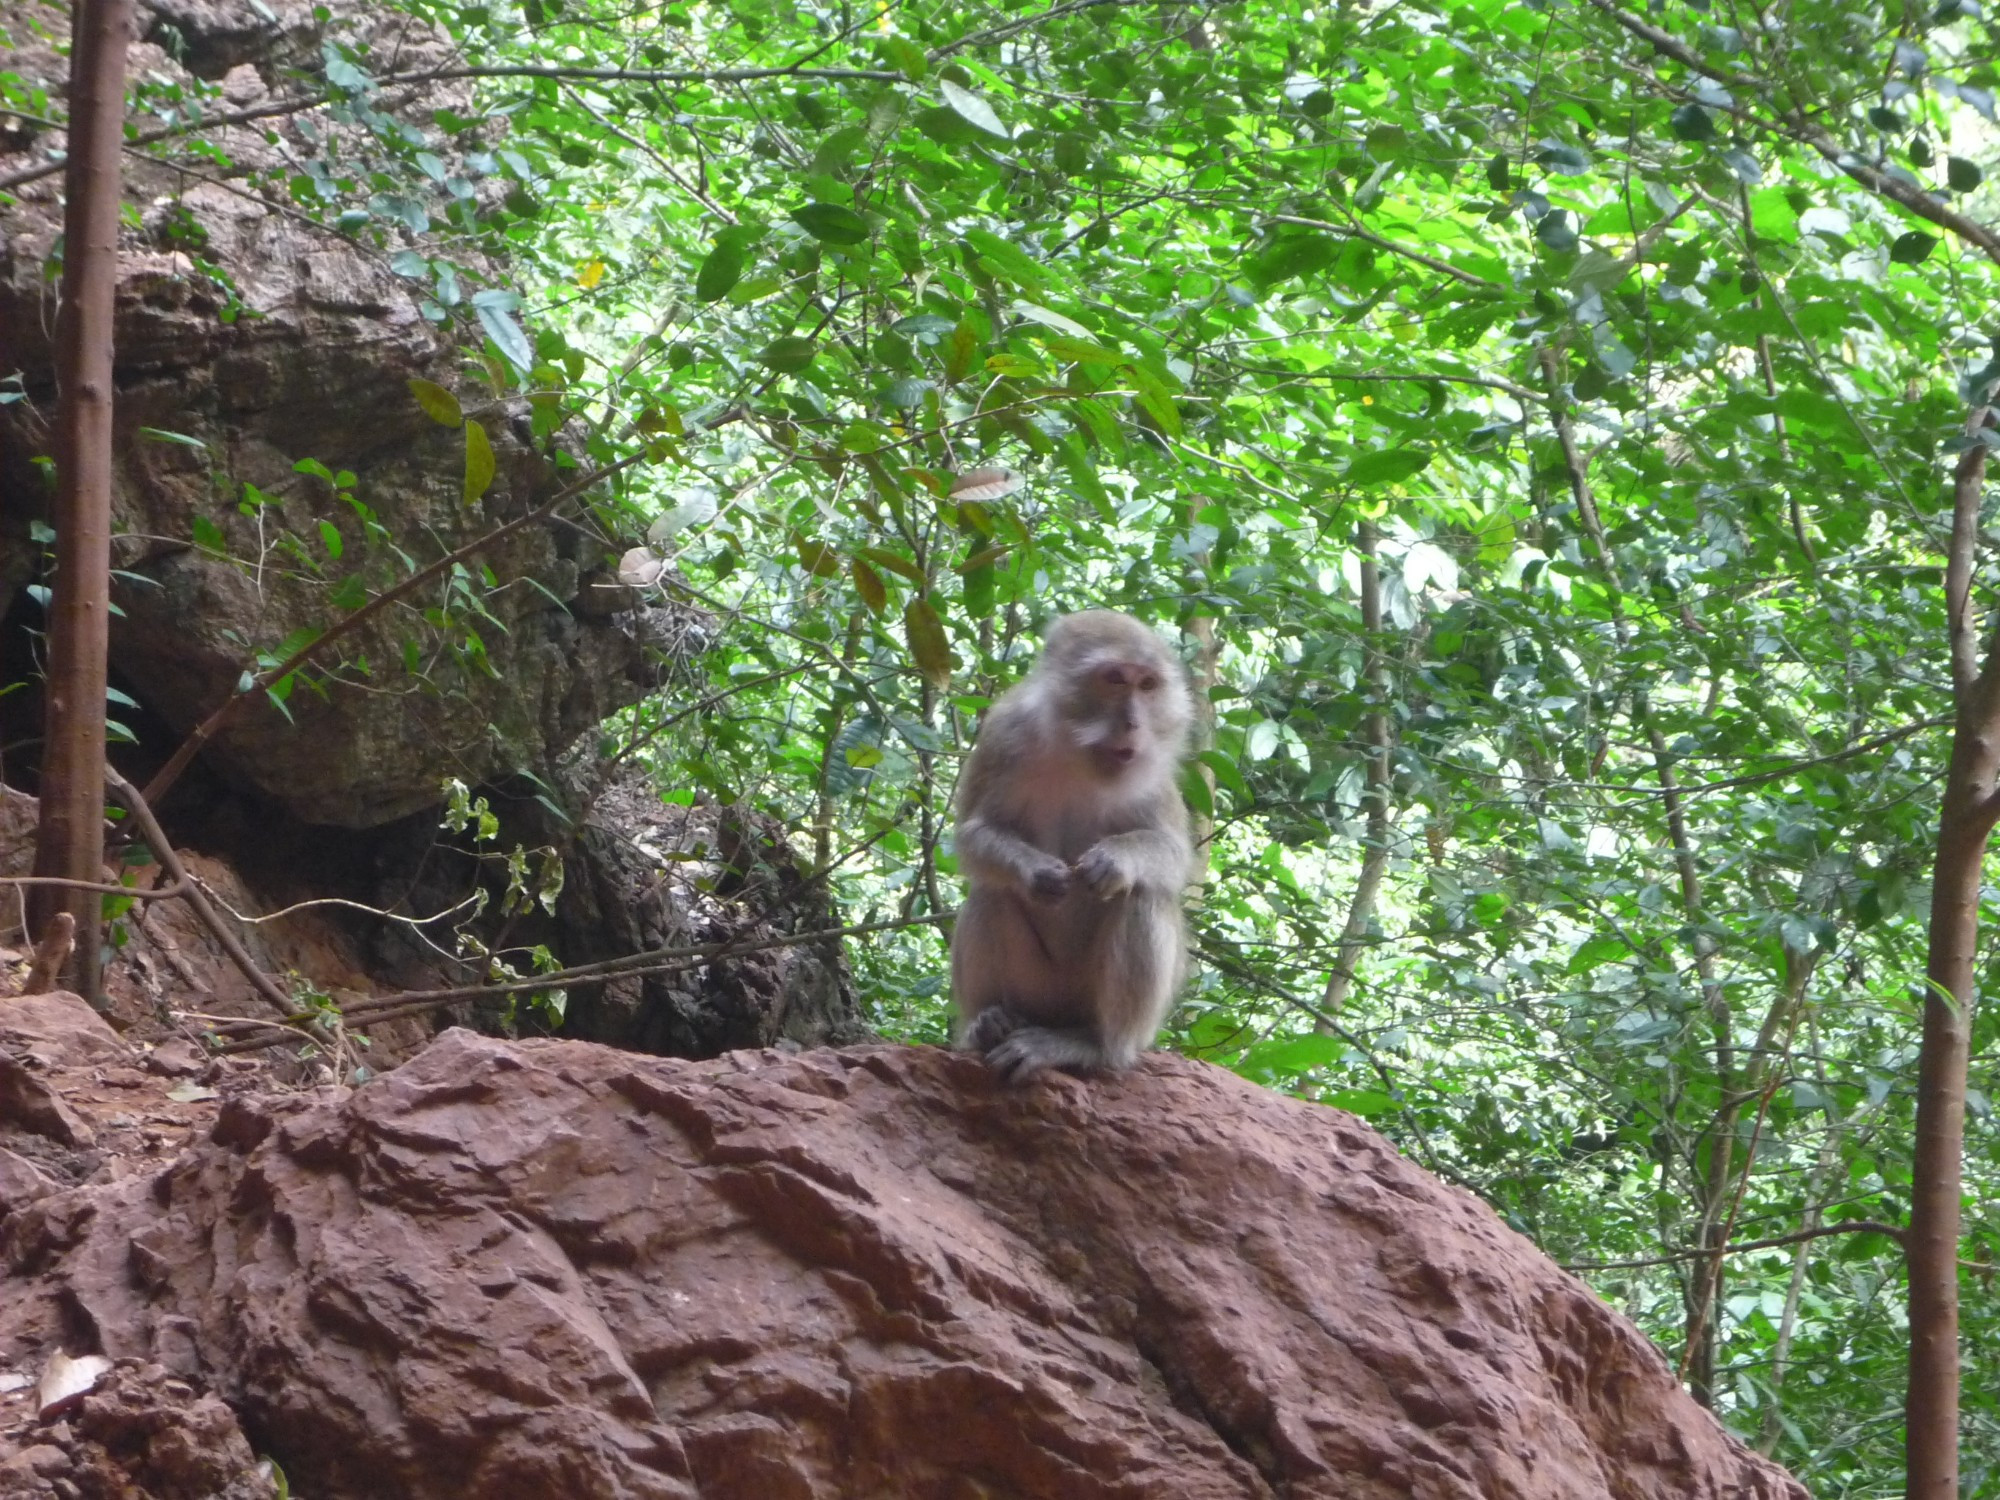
{"points": [[554, 1269]]}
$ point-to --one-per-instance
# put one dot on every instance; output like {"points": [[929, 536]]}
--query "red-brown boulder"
{"points": [[552, 1269]]}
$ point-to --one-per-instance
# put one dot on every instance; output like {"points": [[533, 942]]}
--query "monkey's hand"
{"points": [[1048, 879], [989, 1029], [1103, 873]]}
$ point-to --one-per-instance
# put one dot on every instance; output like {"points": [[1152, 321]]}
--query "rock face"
{"points": [[552, 1269], [641, 875], [250, 341]]}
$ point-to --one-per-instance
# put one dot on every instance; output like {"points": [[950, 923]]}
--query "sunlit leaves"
{"points": [[479, 464], [439, 404], [723, 266], [1209, 309], [832, 223], [495, 310], [789, 355], [973, 109]]}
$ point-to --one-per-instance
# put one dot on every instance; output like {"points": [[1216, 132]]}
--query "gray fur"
{"points": [[1072, 834]]}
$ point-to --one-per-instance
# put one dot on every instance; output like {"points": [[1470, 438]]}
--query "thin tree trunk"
{"points": [[1375, 859], [1705, 1284], [1971, 803], [1200, 629], [69, 843], [1773, 1426]]}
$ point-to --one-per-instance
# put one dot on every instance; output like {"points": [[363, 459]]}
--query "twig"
{"points": [[158, 893], [1705, 1252], [170, 861], [656, 961]]}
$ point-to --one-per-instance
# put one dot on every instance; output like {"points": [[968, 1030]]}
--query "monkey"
{"points": [[1074, 841], [52, 951]]}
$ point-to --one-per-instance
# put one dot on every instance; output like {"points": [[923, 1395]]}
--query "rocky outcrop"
{"points": [[642, 876], [251, 341], [553, 1269], [138, 1434]]}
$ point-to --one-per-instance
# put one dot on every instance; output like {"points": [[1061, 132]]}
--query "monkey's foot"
{"points": [[989, 1028], [1031, 1050]]}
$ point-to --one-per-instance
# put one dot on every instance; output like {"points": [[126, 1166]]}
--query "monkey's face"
{"points": [[1120, 713]]}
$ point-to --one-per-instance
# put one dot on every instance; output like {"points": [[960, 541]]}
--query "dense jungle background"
{"points": [[1533, 421]]}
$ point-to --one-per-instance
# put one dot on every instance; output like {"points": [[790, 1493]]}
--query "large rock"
{"points": [[640, 876], [552, 1269], [260, 341]]}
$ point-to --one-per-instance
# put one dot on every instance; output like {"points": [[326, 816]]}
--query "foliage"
{"points": [[1643, 338]]}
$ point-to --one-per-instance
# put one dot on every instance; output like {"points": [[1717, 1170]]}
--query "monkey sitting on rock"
{"points": [[1074, 840]]}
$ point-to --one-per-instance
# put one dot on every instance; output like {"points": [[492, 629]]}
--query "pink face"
{"points": [[1118, 714]]}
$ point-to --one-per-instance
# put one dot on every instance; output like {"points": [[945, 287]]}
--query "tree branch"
{"points": [[1845, 1226]]}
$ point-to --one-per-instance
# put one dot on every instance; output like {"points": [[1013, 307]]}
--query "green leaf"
{"points": [[1051, 319], [817, 558], [1072, 154], [906, 393], [961, 352], [1570, 161], [1597, 951], [832, 223], [1367, 1103], [1003, 258], [945, 126], [1557, 230], [1691, 123], [479, 467], [1387, 466], [929, 647], [1294, 255], [973, 109], [905, 55], [496, 316], [1195, 792], [208, 536], [788, 355], [722, 267], [923, 328], [979, 589], [330, 538], [1963, 175], [161, 435], [1296, 1054], [439, 404], [864, 437], [1913, 248]]}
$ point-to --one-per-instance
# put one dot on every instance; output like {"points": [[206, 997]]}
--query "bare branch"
{"points": [[1845, 1226]]}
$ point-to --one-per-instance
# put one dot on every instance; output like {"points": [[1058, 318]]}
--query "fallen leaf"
{"points": [[65, 1381], [641, 567]]}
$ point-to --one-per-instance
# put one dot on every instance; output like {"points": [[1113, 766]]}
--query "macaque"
{"points": [[52, 951], [1074, 839]]}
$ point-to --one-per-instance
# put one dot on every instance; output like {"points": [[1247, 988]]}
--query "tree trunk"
{"points": [[1376, 731], [70, 841], [1971, 802]]}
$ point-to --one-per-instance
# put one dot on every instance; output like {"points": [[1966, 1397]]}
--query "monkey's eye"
{"points": [[1112, 677], [1149, 683]]}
